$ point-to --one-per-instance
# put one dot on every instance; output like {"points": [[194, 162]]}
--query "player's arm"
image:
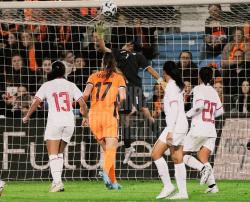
{"points": [[156, 76], [87, 91], [102, 45], [100, 30], [142, 61], [220, 109], [173, 113], [83, 107], [121, 90], [153, 73], [122, 94], [196, 109], [36, 102]]}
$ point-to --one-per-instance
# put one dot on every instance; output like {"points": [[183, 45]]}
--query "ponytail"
{"points": [[109, 64], [172, 70]]}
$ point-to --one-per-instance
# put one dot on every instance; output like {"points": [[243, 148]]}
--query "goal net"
{"points": [[33, 34]]}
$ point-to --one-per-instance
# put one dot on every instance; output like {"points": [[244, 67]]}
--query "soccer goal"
{"points": [[192, 33]]}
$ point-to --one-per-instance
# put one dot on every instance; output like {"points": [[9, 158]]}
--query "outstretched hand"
{"points": [[85, 122], [25, 119], [162, 83], [100, 29]]}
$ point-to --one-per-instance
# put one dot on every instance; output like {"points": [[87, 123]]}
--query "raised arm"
{"points": [[153, 73], [156, 76], [36, 102], [102, 45], [100, 30]]}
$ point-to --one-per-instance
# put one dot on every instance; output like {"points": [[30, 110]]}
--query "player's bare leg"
{"points": [[109, 161], [147, 115], [180, 172], [208, 178], [129, 150], [152, 123], [162, 167], [55, 151]]}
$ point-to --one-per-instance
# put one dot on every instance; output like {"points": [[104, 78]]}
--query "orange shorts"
{"points": [[103, 125]]}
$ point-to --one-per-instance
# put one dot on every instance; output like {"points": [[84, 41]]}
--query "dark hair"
{"points": [[186, 51], [109, 64], [172, 70], [58, 70], [242, 97], [65, 53], [206, 75]]}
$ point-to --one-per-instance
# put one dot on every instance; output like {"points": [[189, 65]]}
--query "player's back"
{"points": [[174, 94], [208, 95], [59, 94], [105, 91]]}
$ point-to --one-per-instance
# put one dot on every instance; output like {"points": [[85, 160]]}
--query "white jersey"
{"points": [[174, 109], [203, 123], [59, 94]]}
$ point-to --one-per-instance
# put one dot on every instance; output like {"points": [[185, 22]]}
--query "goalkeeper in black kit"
{"points": [[129, 63]]}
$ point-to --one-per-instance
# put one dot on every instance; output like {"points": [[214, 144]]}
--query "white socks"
{"points": [[211, 179], [192, 162], [180, 176], [162, 168], [56, 166]]}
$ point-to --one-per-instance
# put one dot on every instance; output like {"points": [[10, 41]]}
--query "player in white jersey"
{"points": [[59, 94], [202, 135], [173, 135]]}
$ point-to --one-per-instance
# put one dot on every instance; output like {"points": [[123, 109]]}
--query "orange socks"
{"points": [[109, 160], [112, 174]]}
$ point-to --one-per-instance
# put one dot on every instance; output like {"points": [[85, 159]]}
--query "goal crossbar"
{"points": [[97, 3]]}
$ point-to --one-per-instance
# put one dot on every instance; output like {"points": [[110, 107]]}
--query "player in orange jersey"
{"points": [[104, 87]]}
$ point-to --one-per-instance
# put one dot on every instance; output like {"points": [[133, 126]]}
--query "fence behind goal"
{"points": [[34, 34]]}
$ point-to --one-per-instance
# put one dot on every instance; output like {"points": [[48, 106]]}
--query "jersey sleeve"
{"points": [[77, 94], [91, 80], [121, 82], [198, 103], [141, 61], [41, 93]]}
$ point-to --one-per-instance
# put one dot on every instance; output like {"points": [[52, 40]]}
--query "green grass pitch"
{"points": [[132, 191]]}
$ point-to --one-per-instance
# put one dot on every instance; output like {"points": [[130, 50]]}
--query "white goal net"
{"points": [[33, 34]]}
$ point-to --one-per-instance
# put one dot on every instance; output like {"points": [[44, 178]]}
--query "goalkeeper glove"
{"points": [[162, 82], [100, 29]]}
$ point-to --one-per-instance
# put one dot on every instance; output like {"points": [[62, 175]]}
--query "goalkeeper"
{"points": [[129, 63]]}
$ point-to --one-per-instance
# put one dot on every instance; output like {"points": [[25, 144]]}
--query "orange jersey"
{"points": [[105, 91]]}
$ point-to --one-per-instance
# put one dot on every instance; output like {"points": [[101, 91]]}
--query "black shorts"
{"points": [[134, 97]]}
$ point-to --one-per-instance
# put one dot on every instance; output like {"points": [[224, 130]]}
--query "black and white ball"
{"points": [[108, 8]]}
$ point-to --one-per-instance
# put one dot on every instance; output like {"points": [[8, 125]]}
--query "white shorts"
{"points": [[194, 143], [178, 138], [59, 133]]}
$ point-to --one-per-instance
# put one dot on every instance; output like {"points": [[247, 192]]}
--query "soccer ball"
{"points": [[108, 8]]}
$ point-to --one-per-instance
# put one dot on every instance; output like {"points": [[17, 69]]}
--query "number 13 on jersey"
{"points": [[66, 101]]}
